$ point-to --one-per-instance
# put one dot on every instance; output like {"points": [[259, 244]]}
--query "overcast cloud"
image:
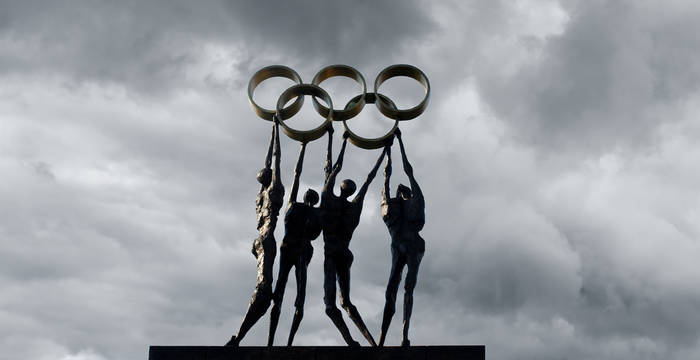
{"points": [[559, 158]]}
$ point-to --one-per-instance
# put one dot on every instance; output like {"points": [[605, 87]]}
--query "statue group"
{"points": [[336, 217]]}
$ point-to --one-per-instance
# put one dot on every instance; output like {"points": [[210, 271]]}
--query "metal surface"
{"points": [[346, 71], [404, 216], [301, 226], [267, 73], [267, 206], [402, 70], [298, 91], [337, 217], [370, 143], [385, 105]]}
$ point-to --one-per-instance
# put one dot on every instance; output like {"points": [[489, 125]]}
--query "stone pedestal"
{"points": [[473, 352]]}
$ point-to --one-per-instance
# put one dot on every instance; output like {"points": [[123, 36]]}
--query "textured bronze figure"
{"points": [[404, 215], [301, 226], [268, 204], [339, 218]]}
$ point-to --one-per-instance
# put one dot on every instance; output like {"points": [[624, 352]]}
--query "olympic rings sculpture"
{"points": [[385, 105]]}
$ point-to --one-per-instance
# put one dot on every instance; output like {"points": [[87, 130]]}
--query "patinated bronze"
{"points": [[402, 70], [339, 218], [301, 226], [367, 143], [354, 107], [270, 72], [297, 91], [267, 206], [404, 215]]}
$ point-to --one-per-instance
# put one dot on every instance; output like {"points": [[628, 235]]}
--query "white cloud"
{"points": [[558, 156]]}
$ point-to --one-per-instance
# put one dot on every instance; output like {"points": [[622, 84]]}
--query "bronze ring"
{"points": [[402, 70], [298, 91], [341, 70], [366, 143], [270, 72]]}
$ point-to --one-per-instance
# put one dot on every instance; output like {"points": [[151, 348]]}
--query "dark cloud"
{"points": [[599, 84], [557, 155], [152, 46]]}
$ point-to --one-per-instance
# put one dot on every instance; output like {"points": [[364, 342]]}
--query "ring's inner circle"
{"points": [[268, 91], [307, 118], [341, 89], [404, 91], [370, 123]]}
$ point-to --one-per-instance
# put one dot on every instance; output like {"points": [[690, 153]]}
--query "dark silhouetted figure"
{"points": [[268, 204], [301, 226], [339, 218], [404, 215]]}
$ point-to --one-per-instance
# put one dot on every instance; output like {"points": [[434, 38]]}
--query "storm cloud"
{"points": [[558, 157]]}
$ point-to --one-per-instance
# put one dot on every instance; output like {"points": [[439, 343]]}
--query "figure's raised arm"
{"points": [[329, 154], [330, 181], [297, 173], [363, 190], [268, 157], [276, 178], [415, 189], [387, 175]]}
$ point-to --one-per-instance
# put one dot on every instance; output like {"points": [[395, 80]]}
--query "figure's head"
{"points": [[311, 197], [347, 188], [265, 176], [403, 192]]}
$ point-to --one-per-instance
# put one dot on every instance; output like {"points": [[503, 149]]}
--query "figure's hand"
{"points": [[346, 134], [389, 142], [397, 132], [329, 128]]}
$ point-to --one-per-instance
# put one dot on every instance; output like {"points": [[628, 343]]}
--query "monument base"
{"points": [[471, 352]]}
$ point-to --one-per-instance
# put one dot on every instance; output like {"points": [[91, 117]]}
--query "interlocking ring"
{"points": [[365, 143], [298, 91], [347, 71], [270, 72], [402, 70], [386, 106]]}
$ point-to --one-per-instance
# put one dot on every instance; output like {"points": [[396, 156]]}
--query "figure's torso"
{"points": [[339, 219], [405, 218], [301, 224], [268, 205]]}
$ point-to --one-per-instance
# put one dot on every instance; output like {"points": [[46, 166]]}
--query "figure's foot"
{"points": [[405, 343], [233, 342], [353, 343]]}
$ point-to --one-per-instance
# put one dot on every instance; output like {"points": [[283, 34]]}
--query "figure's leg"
{"points": [[397, 265], [343, 269], [329, 279], [300, 272], [262, 296], [286, 263], [410, 285]]}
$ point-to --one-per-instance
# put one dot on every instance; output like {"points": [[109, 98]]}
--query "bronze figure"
{"points": [[404, 215], [301, 226], [268, 204], [339, 218]]}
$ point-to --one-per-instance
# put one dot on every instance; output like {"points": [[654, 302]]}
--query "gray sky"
{"points": [[558, 155]]}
